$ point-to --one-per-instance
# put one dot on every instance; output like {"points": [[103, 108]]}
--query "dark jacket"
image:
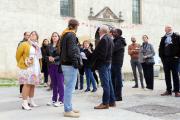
{"points": [[87, 62], [44, 51], [70, 52], [103, 52], [175, 47], [52, 51], [118, 50]]}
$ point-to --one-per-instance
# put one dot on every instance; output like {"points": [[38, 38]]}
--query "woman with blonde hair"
{"points": [[86, 56], [28, 57]]}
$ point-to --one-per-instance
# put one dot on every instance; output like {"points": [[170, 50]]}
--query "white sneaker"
{"points": [[50, 103], [57, 104]]}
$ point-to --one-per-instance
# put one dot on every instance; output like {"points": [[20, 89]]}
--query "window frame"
{"points": [[136, 12], [69, 10]]}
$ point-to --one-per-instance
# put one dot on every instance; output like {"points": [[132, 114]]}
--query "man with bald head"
{"points": [[169, 52], [102, 58]]}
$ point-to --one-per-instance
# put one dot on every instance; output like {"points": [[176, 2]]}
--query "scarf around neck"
{"points": [[168, 39], [37, 48]]}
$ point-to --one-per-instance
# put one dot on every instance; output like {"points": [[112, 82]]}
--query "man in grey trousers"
{"points": [[133, 51]]}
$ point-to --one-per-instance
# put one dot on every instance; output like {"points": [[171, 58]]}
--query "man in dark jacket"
{"points": [[117, 62], [169, 52], [70, 60], [102, 57]]}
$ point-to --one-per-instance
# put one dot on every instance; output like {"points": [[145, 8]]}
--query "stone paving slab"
{"points": [[133, 99]]}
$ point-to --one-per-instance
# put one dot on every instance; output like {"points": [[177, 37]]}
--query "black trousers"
{"points": [[96, 77], [46, 73], [148, 70], [116, 75], [170, 65], [20, 88]]}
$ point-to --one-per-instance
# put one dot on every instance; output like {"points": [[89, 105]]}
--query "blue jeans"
{"points": [[90, 78], [70, 78], [108, 91], [116, 76]]}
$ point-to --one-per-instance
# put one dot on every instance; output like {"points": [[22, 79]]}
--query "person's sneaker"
{"points": [[45, 85], [119, 99], [57, 104], [87, 90], [135, 86], [71, 114], [167, 93], [94, 90], [51, 103], [49, 89], [76, 111]]}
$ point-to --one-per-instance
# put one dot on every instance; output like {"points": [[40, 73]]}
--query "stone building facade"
{"points": [[134, 17]]}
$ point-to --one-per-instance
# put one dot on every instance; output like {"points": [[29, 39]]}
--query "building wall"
{"points": [[18, 16]]}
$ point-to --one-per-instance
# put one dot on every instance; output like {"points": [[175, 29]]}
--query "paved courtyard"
{"points": [[137, 104]]}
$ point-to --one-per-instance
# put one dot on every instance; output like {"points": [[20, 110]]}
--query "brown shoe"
{"points": [[177, 94], [102, 106], [166, 93], [112, 104]]}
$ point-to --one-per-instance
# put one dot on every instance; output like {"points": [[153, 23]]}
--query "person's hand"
{"points": [[51, 59], [30, 60], [75, 64], [89, 50], [137, 48], [144, 57], [133, 50]]}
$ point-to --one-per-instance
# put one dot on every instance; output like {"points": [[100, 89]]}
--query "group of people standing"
{"points": [[64, 57], [142, 59]]}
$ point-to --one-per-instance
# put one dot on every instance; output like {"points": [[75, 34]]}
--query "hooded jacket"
{"points": [[118, 50], [70, 52]]}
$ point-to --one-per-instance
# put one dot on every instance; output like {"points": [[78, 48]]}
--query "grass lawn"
{"points": [[7, 82]]}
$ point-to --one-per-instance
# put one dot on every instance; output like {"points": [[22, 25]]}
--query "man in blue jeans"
{"points": [[101, 58], [70, 60]]}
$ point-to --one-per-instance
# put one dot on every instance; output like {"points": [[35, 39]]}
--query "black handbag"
{"points": [[80, 62]]}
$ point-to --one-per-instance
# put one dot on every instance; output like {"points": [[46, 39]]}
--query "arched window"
{"points": [[136, 11], [67, 8]]}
